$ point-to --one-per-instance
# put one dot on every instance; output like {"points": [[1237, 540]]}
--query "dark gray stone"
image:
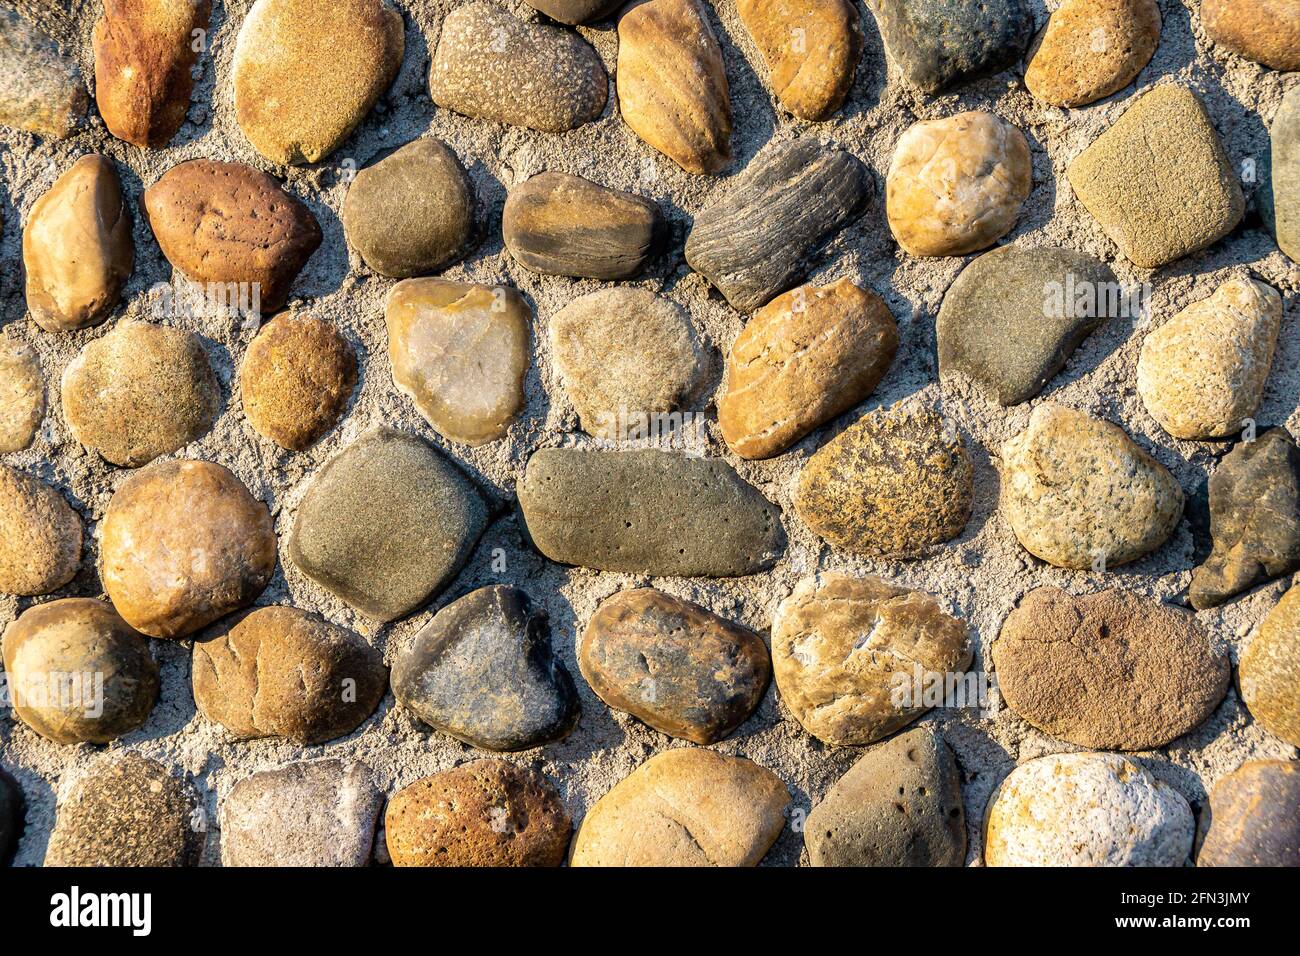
{"points": [[386, 524], [482, 670], [941, 43], [575, 11], [1254, 519], [647, 511], [1285, 175], [765, 233], [11, 816], [1255, 817], [899, 805], [1000, 323]]}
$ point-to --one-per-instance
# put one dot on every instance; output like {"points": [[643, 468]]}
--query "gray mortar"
{"points": [[980, 576]]}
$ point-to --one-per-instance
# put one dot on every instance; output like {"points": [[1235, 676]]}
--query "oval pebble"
{"points": [[1091, 49], [1255, 817], [22, 394], [1270, 670], [40, 536]]}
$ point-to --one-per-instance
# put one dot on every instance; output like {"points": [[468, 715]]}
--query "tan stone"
{"points": [[811, 48], [1202, 373], [40, 90], [1079, 493], [40, 536], [1266, 31], [182, 544], [22, 394], [803, 358], [460, 352], [685, 807], [1091, 49], [1270, 670], [956, 185], [672, 84], [77, 247], [842, 646]]}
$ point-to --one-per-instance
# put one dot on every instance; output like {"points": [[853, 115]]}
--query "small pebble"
{"points": [[1266, 31], [22, 394], [1255, 817], [811, 48], [1092, 49], [40, 536], [40, 90], [1270, 671]]}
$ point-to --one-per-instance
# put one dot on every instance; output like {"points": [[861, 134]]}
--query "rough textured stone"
{"points": [[1270, 670], [77, 673], [40, 536], [460, 352], [673, 664], [685, 807], [957, 184], [1254, 519], [575, 11], [491, 66], [77, 249], [628, 360], [672, 83], [183, 543], [647, 511], [937, 44], [899, 805], [842, 646], [483, 671], [1266, 31], [1015, 315], [126, 810], [1255, 817], [1091, 49], [764, 235], [144, 50], [296, 379], [564, 225], [1111, 671], [1086, 809], [140, 391], [1202, 373], [22, 394], [317, 813], [804, 358], [811, 48], [282, 672], [896, 483], [386, 524], [306, 72], [228, 223], [483, 813], [1079, 493], [1158, 181], [412, 212], [40, 90], [12, 812], [1286, 175]]}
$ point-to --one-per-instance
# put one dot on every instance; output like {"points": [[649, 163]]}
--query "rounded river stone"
{"points": [[1270, 670], [647, 511], [1266, 31], [1110, 671], [22, 394], [78, 673], [12, 814], [1285, 133], [483, 671], [673, 664], [40, 536], [386, 524], [40, 90], [1091, 49], [483, 813], [1255, 817], [811, 48]]}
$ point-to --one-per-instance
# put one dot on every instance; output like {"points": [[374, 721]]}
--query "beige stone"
{"points": [[22, 394], [40, 536], [672, 84], [1091, 49], [1270, 670], [842, 647], [1202, 373], [40, 90], [1266, 31], [77, 247], [956, 185], [460, 352], [811, 48], [685, 807], [803, 358]]}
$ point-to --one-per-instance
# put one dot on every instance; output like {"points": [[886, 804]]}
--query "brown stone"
{"points": [[673, 664], [282, 672], [182, 544], [144, 50], [1270, 670], [77, 248], [22, 394], [685, 807], [850, 655], [811, 48], [460, 351], [1091, 49], [296, 379], [40, 90], [672, 83], [1266, 31], [40, 536], [1255, 817], [804, 358], [228, 223], [1109, 671], [483, 813]]}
